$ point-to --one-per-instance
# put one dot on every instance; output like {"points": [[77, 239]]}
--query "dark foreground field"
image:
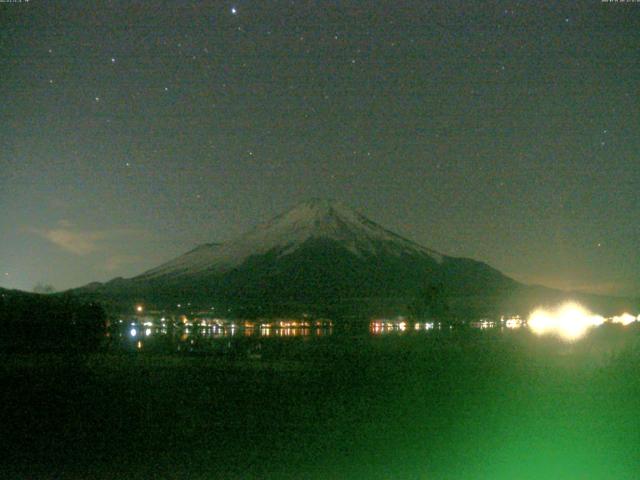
{"points": [[471, 405]]}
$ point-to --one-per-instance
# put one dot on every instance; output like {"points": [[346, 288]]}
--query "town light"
{"points": [[625, 319], [570, 321]]}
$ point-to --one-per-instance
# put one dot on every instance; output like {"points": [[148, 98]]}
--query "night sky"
{"points": [[503, 131]]}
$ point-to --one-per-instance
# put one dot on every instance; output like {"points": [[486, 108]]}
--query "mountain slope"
{"points": [[319, 253], [286, 233]]}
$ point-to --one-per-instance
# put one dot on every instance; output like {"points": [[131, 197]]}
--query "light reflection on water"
{"points": [[569, 322], [217, 335], [402, 326], [199, 338]]}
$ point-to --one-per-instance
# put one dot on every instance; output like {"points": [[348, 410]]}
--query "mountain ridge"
{"points": [[323, 256], [316, 218]]}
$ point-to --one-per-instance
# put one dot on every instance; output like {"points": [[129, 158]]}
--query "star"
{"points": [[113, 60], [234, 11], [97, 99]]}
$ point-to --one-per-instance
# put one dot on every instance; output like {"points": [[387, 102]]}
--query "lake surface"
{"points": [[250, 337], [343, 403]]}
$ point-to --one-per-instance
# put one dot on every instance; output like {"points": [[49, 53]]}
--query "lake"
{"points": [[327, 403]]}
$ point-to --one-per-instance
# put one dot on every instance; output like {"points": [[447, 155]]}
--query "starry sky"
{"points": [[503, 131]]}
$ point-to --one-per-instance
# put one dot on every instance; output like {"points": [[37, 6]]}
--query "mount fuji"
{"points": [[320, 254], [315, 220]]}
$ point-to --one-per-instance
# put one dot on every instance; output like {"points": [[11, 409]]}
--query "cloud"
{"points": [[70, 238], [116, 251], [75, 241]]}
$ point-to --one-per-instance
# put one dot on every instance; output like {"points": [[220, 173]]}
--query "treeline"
{"points": [[33, 322]]}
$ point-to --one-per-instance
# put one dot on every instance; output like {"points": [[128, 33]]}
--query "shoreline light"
{"points": [[570, 321], [624, 319]]}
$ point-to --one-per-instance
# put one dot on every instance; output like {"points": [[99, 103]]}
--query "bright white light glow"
{"points": [[133, 332], [512, 323], [625, 319], [570, 321]]}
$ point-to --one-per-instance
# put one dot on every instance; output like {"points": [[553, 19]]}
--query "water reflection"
{"points": [[398, 325], [484, 324], [209, 336], [570, 321]]}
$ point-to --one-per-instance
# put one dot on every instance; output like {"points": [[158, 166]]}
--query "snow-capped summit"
{"points": [[316, 219]]}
